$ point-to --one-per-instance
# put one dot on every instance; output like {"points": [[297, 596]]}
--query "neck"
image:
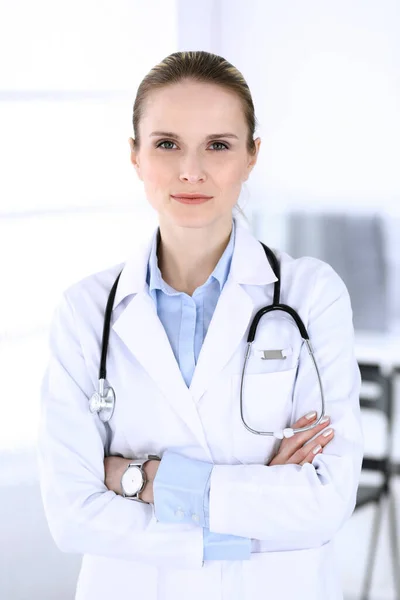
{"points": [[187, 256]]}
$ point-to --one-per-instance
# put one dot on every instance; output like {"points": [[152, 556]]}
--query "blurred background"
{"points": [[326, 86]]}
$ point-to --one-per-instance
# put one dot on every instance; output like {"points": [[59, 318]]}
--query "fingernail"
{"points": [[311, 415], [325, 420], [317, 449], [327, 432]]}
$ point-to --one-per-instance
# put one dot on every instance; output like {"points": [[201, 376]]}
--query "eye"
{"points": [[225, 147], [165, 142]]}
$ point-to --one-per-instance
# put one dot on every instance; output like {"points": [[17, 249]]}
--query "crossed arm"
{"points": [[294, 450]]}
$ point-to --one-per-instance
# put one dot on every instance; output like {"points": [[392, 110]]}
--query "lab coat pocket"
{"points": [[267, 405]]}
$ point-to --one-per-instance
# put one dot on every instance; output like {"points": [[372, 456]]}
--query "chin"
{"points": [[197, 221]]}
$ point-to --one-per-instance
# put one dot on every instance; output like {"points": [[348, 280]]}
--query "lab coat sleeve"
{"points": [[85, 517], [181, 491], [290, 506]]}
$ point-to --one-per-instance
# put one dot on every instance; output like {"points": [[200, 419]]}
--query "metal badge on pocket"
{"points": [[273, 354]]}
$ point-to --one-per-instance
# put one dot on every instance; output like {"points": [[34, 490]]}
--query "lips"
{"points": [[192, 196]]}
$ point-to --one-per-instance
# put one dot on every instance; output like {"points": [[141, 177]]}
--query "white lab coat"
{"points": [[291, 512]]}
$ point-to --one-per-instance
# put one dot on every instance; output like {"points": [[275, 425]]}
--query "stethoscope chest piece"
{"points": [[103, 402]]}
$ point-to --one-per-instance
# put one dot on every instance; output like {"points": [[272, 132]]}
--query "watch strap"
{"points": [[139, 463]]}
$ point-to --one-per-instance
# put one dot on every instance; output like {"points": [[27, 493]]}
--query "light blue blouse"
{"points": [[182, 485]]}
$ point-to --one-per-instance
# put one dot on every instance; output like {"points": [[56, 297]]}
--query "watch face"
{"points": [[132, 480]]}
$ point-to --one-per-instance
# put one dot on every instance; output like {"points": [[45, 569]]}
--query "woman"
{"points": [[225, 513]]}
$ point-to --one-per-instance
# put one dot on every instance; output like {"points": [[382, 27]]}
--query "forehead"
{"points": [[192, 106]]}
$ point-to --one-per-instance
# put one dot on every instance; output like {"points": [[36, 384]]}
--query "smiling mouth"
{"points": [[191, 199], [192, 196]]}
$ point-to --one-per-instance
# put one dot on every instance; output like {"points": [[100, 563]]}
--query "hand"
{"points": [[293, 451], [115, 466]]}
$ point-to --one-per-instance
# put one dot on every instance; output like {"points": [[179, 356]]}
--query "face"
{"points": [[185, 155]]}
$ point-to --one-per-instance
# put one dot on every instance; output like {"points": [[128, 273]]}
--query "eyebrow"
{"points": [[208, 137]]}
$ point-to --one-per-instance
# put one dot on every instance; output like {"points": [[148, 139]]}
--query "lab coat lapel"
{"points": [[234, 310], [225, 332], [143, 333]]}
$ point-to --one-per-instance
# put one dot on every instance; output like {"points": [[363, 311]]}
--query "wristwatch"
{"points": [[133, 480]]}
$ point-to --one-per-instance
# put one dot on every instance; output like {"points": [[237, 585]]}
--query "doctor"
{"points": [[218, 512]]}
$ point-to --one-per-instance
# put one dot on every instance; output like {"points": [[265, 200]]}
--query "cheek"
{"points": [[157, 177], [228, 175]]}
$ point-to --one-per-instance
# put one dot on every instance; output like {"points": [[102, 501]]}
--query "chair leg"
{"points": [[372, 549], [394, 542]]}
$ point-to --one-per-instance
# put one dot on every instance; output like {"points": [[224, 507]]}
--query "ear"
{"points": [[134, 156], [253, 159]]}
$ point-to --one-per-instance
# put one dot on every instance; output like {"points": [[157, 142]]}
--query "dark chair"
{"points": [[381, 401]]}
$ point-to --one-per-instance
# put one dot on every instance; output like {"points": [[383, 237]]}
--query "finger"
{"points": [[307, 420], [318, 446], [323, 438], [312, 454], [307, 450], [303, 436]]}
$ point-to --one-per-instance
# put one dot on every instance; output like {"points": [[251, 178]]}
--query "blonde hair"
{"points": [[204, 67]]}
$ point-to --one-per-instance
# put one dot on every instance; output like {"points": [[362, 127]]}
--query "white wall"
{"points": [[324, 77], [31, 566]]}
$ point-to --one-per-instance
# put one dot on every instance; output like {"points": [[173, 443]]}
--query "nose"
{"points": [[191, 171]]}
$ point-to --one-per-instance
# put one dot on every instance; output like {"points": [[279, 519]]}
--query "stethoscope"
{"points": [[103, 401]]}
